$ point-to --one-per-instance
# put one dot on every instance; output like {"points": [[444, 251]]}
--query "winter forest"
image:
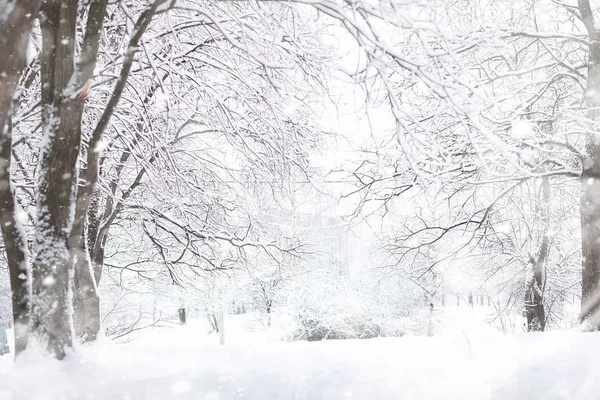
{"points": [[299, 199]]}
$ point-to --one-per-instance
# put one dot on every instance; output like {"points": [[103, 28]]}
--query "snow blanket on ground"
{"points": [[557, 365]]}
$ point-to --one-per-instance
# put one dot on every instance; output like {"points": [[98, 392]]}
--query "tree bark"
{"points": [[88, 263], [61, 119], [431, 299], [534, 296], [15, 243], [16, 19], [590, 180], [86, 301], [93, 231]]}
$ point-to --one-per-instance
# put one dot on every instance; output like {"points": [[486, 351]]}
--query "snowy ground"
{"points": [[185, 363]]}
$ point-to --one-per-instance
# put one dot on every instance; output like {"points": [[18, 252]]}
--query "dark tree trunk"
{"points": [[61, 119], [86, 298], [590, 235], [534, 297], [15, 26], [16, 18], [182, 317], [15, 243], [96, 252], [590, 180], [86, 302]]}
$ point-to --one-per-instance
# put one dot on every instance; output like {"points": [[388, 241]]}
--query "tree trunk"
{"points": [[16, 18], [86, 279], [534, 297], [590, 234], [61, 119], [15, 243], [430, 321], [590, 180], [15, 26], [95, 244], [86, 302]]}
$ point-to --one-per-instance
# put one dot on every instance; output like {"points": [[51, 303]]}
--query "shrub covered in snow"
{"points": [[330, 307]]}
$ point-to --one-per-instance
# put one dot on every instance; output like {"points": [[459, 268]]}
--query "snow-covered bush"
{"points": [[322, 329], [329, 307]]}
